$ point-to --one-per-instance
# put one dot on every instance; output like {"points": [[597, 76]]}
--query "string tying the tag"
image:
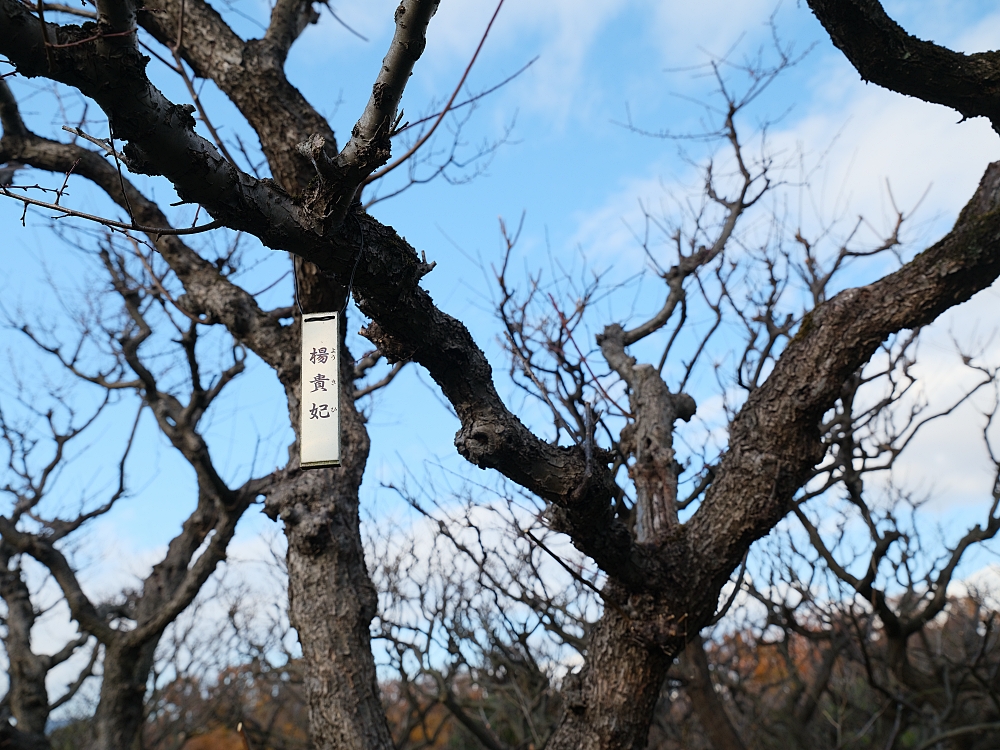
{"points": [[361, 251], [350, 281], [295, 286]]}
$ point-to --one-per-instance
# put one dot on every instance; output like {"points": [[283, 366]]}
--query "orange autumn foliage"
{"points": [[219, 738]]}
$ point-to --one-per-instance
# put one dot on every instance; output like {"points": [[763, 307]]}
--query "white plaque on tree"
{"points": [[320, 419]]}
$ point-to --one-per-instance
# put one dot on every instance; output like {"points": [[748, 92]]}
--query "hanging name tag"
{"points": [[320, 419]]}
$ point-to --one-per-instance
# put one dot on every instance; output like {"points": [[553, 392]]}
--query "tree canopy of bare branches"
{"points": [[618, 391]]}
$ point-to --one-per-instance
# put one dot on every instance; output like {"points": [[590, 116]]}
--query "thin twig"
{"points": [[736, 590], [118, 166], [71, 10], [160, 231], [94, 38], [371, 388], [62, 189], [470, 100], [180, 29], [583, 359], [343, 23], [103, 143], [45, 36], [564, 564]]}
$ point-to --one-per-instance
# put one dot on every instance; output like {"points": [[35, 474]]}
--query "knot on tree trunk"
{"points": [[479, 442], [392, 349]]}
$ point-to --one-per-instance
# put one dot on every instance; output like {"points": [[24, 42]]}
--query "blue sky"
{"points": [[578, 176]]}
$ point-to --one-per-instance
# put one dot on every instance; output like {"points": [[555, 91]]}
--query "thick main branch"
{"points": [[885, 54]]}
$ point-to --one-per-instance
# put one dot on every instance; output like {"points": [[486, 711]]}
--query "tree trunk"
{"points": [[13, 739], [27, 696], [120, 712], [609, 705], [129, 655], [331, 605], [331, 598], [711, 712]]}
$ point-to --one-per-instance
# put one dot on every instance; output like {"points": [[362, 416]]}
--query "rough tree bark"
{"points": [[884, 53], [27, 697], [331, 598], [664, 583]]}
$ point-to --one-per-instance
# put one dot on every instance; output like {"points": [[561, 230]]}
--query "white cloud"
{"points": [[689, 30], [982, 584], [948, 460], [561, 32]]}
